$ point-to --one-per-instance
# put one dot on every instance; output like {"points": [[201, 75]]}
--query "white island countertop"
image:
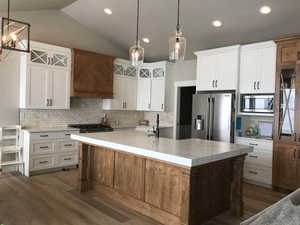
{"points": [[188, 152]]}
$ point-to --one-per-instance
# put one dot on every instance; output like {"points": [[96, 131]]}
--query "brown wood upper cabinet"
{"points": [[92, 75], [286, 161]]}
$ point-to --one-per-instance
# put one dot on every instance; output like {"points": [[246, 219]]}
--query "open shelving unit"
{"points": [[11, 151]]}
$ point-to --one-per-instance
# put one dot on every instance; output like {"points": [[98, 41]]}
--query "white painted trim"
{"points": [[187, 83], [179, 84], [259, 45], [218, 50]]}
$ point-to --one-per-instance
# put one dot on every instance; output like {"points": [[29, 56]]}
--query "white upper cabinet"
{"points": [[151, 87], [144, 90], [218, 69], [140, 88], [125, 87], [258, 68], [45, 77]]}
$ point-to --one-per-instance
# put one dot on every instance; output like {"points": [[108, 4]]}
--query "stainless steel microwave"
{"points": [[257, 103]]}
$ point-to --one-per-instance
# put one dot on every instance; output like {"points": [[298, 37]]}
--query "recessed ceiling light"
{"points": [[146, 40], [217, 23], [265, 9], [108, 11]]}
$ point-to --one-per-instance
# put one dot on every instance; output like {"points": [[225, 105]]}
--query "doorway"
{"points": [[184, 102]]}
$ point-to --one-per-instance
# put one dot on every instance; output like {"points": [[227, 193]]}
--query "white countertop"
{"points": [[189, 152]]}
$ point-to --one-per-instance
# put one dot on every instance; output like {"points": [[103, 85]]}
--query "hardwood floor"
{"points": [[52, 199]]}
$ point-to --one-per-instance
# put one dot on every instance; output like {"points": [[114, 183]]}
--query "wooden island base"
{"points": [[168, 193]]}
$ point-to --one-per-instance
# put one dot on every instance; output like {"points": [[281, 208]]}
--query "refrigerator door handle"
{"points": [[208, 119], [212, 118]]}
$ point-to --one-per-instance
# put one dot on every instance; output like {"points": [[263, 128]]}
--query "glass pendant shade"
{"points": [[136, 54], [177, 47], [15, 35]]}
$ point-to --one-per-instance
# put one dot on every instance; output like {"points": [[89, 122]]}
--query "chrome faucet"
{"points": [[155, 131]]}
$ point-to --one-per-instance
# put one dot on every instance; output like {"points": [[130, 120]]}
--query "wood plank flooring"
{"points": [[52, 199]]}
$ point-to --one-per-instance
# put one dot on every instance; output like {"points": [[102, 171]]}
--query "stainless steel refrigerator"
{"points": [[213, 116]]}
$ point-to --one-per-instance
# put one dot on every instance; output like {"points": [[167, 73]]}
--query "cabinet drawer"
{"points": [[258, 174], [66, 134], [42, 148], [67, 159], [43, 136], [42, 162], [67, 146], [256, 144], [260, 157]]}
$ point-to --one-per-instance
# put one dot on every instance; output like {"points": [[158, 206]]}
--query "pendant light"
{"points": [[14, 34], [136, 52], [177, 43]]}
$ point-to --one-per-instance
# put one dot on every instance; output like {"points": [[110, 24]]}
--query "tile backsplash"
{"points": [[83, 110]]}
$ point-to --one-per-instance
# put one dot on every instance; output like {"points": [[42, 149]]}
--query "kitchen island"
{"points": [[174, 182]]}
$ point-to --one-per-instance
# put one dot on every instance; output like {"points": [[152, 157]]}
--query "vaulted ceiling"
{"points": [[242, 22], [32, 5]]}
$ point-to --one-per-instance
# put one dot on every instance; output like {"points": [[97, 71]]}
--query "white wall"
{"points": [[9, 89], [181, 71], [56, 27]]}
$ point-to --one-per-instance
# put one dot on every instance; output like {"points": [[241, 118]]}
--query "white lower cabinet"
{"points": [[49, 150], [258, 164]]}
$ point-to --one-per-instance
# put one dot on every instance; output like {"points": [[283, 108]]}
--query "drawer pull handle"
{"points": [[253, 172], [68, 134], [253, 156], [44, 147], [68, 145], [43, 162], [67, 159], [253, 144], [46, 135]]}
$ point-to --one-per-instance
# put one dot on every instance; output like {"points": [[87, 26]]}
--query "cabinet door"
{"points": [[36, 87], [39, 56], [267, 62], [117, 103], [206, 72], [130, 174], [286, 166], [226, 67], [130, 92], [165, 186], [248, 71], [103, 166], [144, 94], [60, 60], [59, 91], [157, 95], [287, 53]]}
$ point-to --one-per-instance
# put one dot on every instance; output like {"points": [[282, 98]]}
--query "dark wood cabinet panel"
{"points": [[286, 165], [130, 174], [103, 166], [287, 53], [286, 172], [165, 186], [92, 75]]}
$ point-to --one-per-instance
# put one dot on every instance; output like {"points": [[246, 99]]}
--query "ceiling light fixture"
{"points": [[217, 23], [108, 11], [177, 43], [136, 52], [146, 40], [15, 34], [265, 9]]}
